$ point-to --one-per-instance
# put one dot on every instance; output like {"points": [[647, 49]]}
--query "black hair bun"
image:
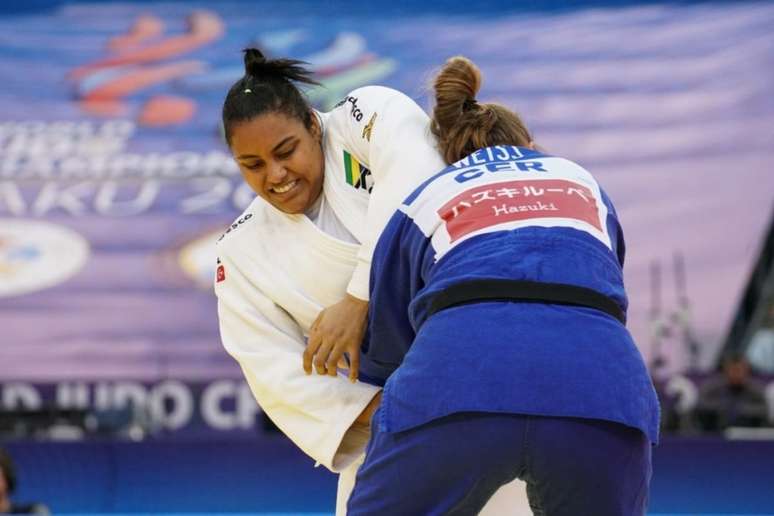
{"points": [[254, 61], [262, 69]]}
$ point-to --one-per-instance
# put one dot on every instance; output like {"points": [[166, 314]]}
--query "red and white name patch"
{"points": [[520, 200]]}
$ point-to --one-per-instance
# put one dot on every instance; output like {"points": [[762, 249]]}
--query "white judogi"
{"points": [[278, 271]]}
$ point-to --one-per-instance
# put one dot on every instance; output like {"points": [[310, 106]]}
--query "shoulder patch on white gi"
{"points": [[220, 272], [369, 127], [356, 174]]}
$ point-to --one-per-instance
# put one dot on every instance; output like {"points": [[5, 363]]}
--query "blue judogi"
{"points": [[503, 213]]}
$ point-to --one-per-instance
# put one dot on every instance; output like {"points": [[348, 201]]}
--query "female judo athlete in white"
{"points": [[326, 185]]}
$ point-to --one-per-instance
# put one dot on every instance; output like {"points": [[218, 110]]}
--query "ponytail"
{"points": [[462, 125], [259, 68]]}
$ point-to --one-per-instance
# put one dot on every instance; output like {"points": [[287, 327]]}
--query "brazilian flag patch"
{"points": [[357, 175]]}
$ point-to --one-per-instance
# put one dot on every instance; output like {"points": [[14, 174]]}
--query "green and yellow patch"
{"points": [[356, 173]]}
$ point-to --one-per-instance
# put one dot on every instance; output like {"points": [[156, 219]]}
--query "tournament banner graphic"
{"points": [[116, 182], [130, 409]]}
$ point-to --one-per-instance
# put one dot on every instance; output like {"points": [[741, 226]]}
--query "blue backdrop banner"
{"points": [[115, 181]]}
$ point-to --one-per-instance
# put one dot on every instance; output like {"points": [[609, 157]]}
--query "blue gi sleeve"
{"points": [[395, 279]]}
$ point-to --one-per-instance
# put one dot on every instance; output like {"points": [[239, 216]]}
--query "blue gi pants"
{"points": [[453, 465]]}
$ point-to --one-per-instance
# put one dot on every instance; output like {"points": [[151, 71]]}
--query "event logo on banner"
{"points": [[139, 60], [36, 255]]}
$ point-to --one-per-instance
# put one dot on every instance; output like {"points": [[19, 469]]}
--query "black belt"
{"points": [[475, 291]]}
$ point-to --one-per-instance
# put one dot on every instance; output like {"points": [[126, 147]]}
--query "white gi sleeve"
{"points": [[315, 412], [390, 133]]}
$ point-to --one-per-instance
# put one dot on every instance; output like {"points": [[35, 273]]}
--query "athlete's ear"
{"points": [[531, 145], [316, 126]]}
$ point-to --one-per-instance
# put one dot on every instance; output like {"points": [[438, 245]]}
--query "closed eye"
{"points": [[286, 154], [253, 166]]}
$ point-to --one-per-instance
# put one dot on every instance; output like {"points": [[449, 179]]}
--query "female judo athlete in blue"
{"points": [[497, 319]]}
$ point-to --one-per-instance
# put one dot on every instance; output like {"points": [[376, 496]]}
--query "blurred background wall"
{"points": [[115, 183]]}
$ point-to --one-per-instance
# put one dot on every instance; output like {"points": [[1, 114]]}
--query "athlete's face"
{"points": [[280, 159]]}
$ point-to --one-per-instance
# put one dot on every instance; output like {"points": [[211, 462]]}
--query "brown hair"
{"points": [[462, 125]]}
